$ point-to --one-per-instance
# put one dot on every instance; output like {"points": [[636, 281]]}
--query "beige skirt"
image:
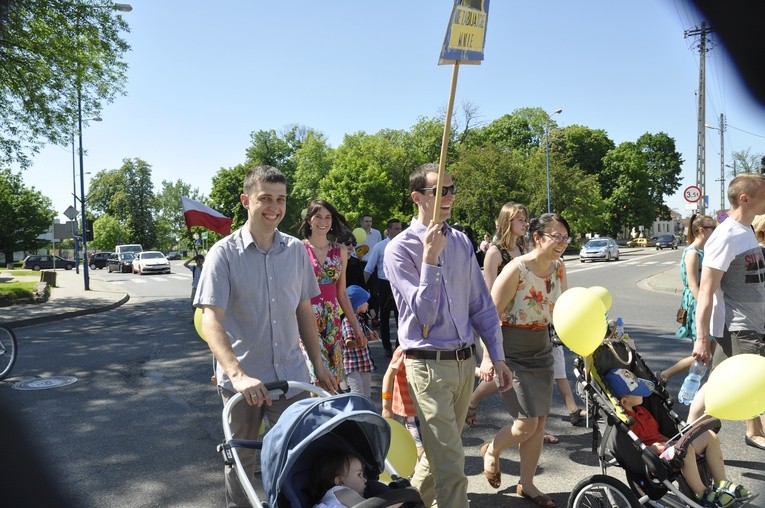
{"points": [[528, 354]]}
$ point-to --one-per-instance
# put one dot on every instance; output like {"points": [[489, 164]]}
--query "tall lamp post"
{"points": [[86, 275], [547, 155], [74, 193]]}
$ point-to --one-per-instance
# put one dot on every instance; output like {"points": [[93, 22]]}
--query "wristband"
{"points": [[387, 395]]}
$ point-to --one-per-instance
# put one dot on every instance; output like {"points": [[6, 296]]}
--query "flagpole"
{"points": [[445, 141]]}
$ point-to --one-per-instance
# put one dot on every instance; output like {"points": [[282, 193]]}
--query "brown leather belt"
{"points": [[440, 354]]}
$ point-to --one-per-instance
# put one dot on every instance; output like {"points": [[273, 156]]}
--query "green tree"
{"points": [[107, 194], [313, 161], [227, 186], [107, 233], [171, 226], [577, 145], [746, 162], [51, 50], [629, 196], [487, 177], [663, 164], [359, 182], [141, 203], [26, 215], [523, 130]]}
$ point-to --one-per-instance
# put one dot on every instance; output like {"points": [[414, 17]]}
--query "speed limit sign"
{"points": [[692, 194]]}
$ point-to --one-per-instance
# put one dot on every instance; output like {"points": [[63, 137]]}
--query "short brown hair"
{"points": [[419, 177], [262, 174], [745, 183]]}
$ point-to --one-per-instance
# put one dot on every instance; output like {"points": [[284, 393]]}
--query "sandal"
{"points": [[739, 492], [470, 418], [540, 500], [577, 418], [550, 439], [493, 477]]}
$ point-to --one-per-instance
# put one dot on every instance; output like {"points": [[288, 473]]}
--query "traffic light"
{"points": [[88, 230]]}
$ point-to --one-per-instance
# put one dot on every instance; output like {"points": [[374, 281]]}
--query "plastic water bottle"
{"points": [[692, 382], [619, 328]]}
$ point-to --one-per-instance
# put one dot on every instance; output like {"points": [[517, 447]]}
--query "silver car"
{"points": [[602, 248]]}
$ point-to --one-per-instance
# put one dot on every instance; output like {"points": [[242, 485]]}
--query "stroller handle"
{"points": [[275, 389]]}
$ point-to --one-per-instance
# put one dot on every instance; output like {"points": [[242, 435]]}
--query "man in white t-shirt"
{"points": [[734, 266]]}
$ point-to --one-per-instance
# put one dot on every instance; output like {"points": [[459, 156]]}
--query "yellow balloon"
{"points": [[603, 294], [402, 453], [198, 323], [360, 235], [736, 388], [579, 318]]}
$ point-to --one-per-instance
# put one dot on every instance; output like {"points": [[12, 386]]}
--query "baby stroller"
{"points": [[652, 480], [306, 430]]}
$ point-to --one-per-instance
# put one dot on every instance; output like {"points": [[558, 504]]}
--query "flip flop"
{"points": [[540, 500], [550, 439]]}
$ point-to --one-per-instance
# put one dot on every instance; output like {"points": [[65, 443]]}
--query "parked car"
{"points": [[37, 262], [603, 248], [173, 255], [120, 262], [666, 241], [98, 260], [638, 242], [150, 261], [652, 241]]}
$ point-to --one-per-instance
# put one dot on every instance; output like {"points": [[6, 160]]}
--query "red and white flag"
{"points": [[199, 214]]}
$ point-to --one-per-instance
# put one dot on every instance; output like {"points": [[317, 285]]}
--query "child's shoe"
{"points": [[739, 492], [713, 498]]}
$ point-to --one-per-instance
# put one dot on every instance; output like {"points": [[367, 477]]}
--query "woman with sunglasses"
{"points": [[323, 223], [700, 228], [524, 294]]}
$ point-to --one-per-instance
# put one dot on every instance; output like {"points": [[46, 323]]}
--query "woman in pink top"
{"points": [[321, 226]]}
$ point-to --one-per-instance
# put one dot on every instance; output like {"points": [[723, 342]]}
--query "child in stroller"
{"points": [[630, 391], [340, 481], [653, 480]]}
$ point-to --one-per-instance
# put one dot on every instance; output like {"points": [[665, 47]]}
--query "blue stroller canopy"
{"points": [[309, 427]]}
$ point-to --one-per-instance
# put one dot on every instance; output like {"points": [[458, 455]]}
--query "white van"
{"points": [[134, 248]]}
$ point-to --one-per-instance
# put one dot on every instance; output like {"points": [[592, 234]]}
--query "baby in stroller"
{"points": [[630, 390], [340, 481]]}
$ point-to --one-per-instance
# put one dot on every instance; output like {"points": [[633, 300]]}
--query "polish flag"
{"points": [[199, 214]]}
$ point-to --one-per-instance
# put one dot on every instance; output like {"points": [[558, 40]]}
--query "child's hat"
{"points": [[357, 295], [621, 382]]}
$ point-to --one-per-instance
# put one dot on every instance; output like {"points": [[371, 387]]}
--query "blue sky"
{"points": [[204, 75]]}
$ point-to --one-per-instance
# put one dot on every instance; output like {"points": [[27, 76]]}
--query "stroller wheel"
{"points": [[601, 491]]}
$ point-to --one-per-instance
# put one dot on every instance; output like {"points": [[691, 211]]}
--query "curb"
{"points": [[65, 315]]}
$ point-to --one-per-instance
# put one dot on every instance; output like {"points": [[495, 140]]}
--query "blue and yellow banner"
{"points": [[466, 33]]}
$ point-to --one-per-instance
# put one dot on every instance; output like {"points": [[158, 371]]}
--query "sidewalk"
{"points": [[68, 299]]}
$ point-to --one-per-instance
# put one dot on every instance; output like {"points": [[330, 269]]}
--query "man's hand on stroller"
{"points": [[324, 378], [253, 390]]}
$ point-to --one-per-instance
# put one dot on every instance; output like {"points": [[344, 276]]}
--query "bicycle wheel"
{"points": [[9, 349]]}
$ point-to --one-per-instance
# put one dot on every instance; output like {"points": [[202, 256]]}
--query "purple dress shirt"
{"points": [[451, 299]]}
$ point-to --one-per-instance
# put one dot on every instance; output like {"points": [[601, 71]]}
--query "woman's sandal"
{"points": [[577, 418], [471, 419], [550, 439], [493, 477], [540, 500]]}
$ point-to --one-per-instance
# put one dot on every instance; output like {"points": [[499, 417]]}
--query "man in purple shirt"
{"points": [[442, 298]]}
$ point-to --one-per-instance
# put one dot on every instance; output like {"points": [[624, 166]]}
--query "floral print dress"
{"points": [[327, 310]]}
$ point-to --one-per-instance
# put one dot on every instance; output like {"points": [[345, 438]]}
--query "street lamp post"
{"points": [[74, 193], [85, 275], [547, 156]]}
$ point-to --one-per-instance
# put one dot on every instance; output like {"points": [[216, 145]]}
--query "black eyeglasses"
{"points": [[558, 238], [444, 190]]}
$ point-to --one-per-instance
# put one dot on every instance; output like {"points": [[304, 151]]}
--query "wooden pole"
{"points": [[442, 157], [445, 141]]}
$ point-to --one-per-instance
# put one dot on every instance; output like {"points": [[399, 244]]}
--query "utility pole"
{"points": [[722, 162], [701, 180]]}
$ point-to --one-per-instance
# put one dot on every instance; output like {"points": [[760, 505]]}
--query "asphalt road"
{"points": [[140, 425]]}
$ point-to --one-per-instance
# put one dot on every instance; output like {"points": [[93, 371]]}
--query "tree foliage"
{"points": [[26, 214], [51, 50]]}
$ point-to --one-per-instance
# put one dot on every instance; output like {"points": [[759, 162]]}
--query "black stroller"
{"points": [[653, 481], [306, 430]]}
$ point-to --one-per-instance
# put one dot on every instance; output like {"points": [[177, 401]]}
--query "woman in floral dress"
{"points": [[525, 293], [329, 259]]}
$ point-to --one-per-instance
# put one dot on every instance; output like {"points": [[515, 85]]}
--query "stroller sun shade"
{"points": [[310, 427]]}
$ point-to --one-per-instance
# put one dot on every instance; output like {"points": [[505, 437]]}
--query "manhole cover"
{"points": [[44, 384]]}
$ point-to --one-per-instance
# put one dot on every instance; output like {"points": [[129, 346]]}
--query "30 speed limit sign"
{"points": [[692, 194]]}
